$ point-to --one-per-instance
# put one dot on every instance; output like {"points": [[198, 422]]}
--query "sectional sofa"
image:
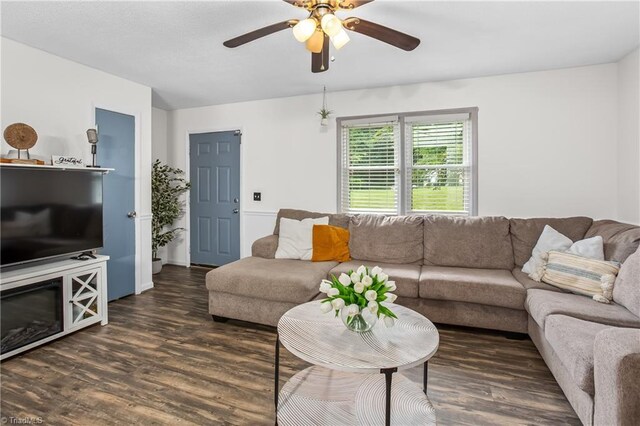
{"points": [[467, 271]]}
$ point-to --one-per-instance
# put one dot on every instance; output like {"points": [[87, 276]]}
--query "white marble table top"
{"points": [[322, 339]]}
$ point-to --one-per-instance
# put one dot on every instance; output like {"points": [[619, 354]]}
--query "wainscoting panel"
{"points": [[255, 224]]}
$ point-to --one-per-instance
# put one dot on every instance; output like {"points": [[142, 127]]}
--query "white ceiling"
{"points": [[176, 47]]}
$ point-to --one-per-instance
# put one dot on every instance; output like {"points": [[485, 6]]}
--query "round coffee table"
{"points": [[351, 380]]}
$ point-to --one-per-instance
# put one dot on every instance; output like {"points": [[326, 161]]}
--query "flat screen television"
{"points": [[46, 213]]}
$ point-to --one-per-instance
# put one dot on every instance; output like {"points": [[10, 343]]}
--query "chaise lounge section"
{"points": [[467, 271]]}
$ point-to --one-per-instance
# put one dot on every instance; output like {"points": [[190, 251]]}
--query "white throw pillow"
{"points": [[296, 238], [592, 248], [552, 240]]}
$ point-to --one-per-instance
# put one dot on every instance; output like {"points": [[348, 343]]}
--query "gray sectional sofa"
{"points": [[467, 271]]}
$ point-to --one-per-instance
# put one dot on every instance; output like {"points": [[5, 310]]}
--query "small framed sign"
{"points": [[66, 161]]}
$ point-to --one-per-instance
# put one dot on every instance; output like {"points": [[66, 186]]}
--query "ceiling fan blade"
{"points": [[382, 33], [352, 4], [296, 3], [320, 61], [254, 35]]}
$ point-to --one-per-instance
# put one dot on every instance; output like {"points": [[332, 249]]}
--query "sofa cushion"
{"points": [[335, 219], [572, 341], [620, 239], [390, 239], [542, 303], [494, 287], [330, 243], [552, 240], [405, 276], [282, 280], [295, 240], [626, 290], [525, 233], [470, 242], [528, 283], [617, 368], [580, 275]]}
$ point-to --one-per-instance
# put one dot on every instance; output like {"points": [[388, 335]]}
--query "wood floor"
{"points": [[161, 360]]}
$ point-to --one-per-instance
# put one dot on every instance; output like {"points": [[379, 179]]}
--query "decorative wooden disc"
{"points": [[20, 136]]}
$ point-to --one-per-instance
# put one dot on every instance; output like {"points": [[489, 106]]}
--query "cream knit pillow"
{"points": [[581, 275]]}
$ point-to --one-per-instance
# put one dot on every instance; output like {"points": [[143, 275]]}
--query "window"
{"points": [[409, 163]]}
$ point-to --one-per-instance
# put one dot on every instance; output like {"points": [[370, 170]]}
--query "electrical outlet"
{"points": [[257, 196]]}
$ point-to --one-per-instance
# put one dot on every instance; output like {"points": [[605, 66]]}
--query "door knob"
{"points": [[235, 200], [132, 215], [235, 211]]}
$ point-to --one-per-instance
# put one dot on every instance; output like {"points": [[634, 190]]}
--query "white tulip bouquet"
{"points": [[357, 291]]}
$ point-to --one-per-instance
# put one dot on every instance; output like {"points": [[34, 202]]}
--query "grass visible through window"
{"points": [[442, 198]]}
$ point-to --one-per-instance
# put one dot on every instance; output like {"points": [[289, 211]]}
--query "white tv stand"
{"points": [[84, 292]]}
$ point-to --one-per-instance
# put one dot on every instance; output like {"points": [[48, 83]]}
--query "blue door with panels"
{"points": [[116, 149], [215, 197]]}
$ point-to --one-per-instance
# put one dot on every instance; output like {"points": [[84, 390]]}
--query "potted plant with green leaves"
{"points": [[167, 184]]}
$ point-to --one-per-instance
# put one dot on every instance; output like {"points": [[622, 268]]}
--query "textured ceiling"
{"points": [[176, 47]]}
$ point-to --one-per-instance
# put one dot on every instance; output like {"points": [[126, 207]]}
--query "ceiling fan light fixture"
{"points": [[304, 29], [331, 25], [340, 39], [315, 42]]}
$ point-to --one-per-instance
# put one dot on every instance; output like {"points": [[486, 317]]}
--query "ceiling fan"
{"points": [[323, 26]]}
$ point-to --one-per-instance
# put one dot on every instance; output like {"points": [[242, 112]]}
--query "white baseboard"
{"points": [[146, 286], [177, 262]]}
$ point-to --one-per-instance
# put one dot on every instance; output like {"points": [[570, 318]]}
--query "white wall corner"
{"points": [[146, 286], [628, 138]]}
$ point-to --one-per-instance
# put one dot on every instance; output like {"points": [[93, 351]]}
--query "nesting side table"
{"points": [[352, 379]]}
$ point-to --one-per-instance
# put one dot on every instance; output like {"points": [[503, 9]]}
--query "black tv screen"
{"points": [[46, 213]]}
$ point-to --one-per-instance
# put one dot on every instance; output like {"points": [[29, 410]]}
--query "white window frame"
{"points": [[405, 168]]}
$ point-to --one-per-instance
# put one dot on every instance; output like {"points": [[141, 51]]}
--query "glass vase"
{"points": [[360, 322]]}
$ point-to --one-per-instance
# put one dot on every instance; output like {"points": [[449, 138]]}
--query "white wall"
{"points": [[629, 138], [547, 143], [57, 98], [159, 132]]}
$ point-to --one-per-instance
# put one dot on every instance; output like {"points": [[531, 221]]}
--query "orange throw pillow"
{"points": [[330, 243]]}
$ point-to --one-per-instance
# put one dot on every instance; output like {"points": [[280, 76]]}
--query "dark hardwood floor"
{"points": [[161, 360]]}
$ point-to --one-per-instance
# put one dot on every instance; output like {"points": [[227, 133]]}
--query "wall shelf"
{"points": [[50, 167]]}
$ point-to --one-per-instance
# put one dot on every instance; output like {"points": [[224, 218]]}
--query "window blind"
{"points": [[370, 166], [408, 163], [438, 172]]}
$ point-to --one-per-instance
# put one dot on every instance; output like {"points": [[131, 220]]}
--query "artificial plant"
{"points": [[167, 183], [324, 113]]}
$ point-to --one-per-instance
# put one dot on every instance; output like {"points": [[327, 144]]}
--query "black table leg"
{"points": [[425, 376], [388, 373], [277, 376]]}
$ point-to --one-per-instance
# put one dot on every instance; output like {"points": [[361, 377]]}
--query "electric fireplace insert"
{"points": [[30, 313]]}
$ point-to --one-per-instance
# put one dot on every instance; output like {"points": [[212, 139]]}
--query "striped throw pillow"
{"points": [[580, 275]]}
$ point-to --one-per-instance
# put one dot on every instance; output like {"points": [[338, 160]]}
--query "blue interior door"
{"points": [[116, 149], [215, 197]]}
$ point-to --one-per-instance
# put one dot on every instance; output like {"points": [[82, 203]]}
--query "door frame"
{"points": [[187, 214], [136, 182]]}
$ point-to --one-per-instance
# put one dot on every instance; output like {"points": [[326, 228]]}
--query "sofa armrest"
{"points": [[617, 377], [265, 247]]}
